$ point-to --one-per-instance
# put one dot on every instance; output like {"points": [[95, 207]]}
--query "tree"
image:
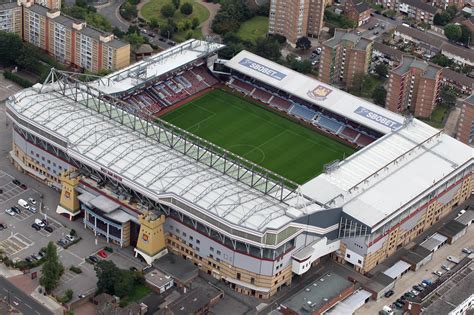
{"points": [[10, 45], [187, 8], [135, 40], [167, 10], [382, 70], [441, 60], [129, 11], [106, 272], [52, 269], [447, 97], [303, 43], [453, 32], [194, 23], [167, 31], [176, 3], [466, 35], [267, 48], [379, 95], [154, 23], [124, 283]]}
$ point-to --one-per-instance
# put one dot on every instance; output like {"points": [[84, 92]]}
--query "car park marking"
{"points": [[68, 276], [14, 244]]}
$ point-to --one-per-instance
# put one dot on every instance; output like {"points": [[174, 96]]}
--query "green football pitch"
{"points": [[259, 135]]}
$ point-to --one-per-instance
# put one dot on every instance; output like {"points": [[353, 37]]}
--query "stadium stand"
{"points": [[261, 95], [349, 133], [364, 140], [281, 104], [242, 86], [302, 112], [329, 124]]}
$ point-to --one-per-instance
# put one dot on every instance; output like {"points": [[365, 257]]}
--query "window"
{"points": [[177, 230], [184, 234], [252, 280], [211, 249], [198, 241], [348, 256], [191, 238], [197, 249], [218, 252], [238, 276], [359, 261]]}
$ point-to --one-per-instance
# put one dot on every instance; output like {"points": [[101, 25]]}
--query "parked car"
{"points": [[102, 253], [398, 305], [453, 259], [36, 226], [438, 273], [94, 259], [400, 301], [133, 269], [49, 229], [409, 295], [467, 251], [23, 186], [61, 243], [446, 267], [10, 212], [32, 201], [3, 226], [70, 238], [16, 182], [414, 292], [16, 210], [427, 282], [40, 223], [32, 209], [389, 293], [418, 288]]}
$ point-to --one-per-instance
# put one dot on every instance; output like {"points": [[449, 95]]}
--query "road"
{"points": [[111, 12], [22, 302], [382, 20]]}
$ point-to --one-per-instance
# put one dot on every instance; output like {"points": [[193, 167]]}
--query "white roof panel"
{"points": [[314, 91], [397, 269]]}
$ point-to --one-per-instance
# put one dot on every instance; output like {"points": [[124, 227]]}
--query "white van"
{"points": [[23, 203]]}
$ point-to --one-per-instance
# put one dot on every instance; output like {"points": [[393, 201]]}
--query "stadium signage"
{"points": [[262, 69], [319, 93], [377, 118]]}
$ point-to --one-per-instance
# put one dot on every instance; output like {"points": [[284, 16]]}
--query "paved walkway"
{"points": [[47, 302], [206, 26], [452, 121], [8, 273]]}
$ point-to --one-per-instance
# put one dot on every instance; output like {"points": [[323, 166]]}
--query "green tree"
{"points": [[106, 272], [303, 43], [194, 23], [267, 48], [124, 284], [154, 23], [52, 269], [135, 40], [187, 8], [442, 60], [379, 95], [466, 35], [10, 45], [453, 32], [167, 31], [167, 10], [129, 11], [176, 3], [382, 70], [447, 97]]}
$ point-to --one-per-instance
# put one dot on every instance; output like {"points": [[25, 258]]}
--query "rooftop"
{"points": [[318, 293], [409, 62], [469, 99], [416, 151], [316, 92], [362, 7], [180, 269], [9, 5], [421, 5], [194, 301], [424, 37], [157, 278], [388, 51], [170, 59], [465, 53], [342, 36], [457, 77], [452, 228]]}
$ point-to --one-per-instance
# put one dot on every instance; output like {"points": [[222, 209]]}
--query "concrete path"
{"points": [[452, 121], [206, 26]]}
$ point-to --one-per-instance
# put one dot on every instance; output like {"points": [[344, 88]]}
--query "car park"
{"points": [[389, 293], [49, 229], [32, 201], [10, 212], [36, 226]]}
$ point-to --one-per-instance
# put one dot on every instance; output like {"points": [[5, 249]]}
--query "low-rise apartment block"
{"points": [[418, 10], [344, 56], [465, 132], [70, 41], [413, 86], [358, 11]]}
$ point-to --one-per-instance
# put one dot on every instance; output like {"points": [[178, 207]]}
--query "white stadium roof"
{"points": [[148, 166], [314, 91], [376, 182], [156, 65]]}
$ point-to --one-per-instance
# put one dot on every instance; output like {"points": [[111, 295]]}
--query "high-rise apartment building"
{"points": [[413, 86], [10, 18], [465, 130], [343, 56], [68, 40], [296, 18]]}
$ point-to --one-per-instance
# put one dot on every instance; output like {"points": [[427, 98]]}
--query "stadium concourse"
{"points": [[143, 182]]}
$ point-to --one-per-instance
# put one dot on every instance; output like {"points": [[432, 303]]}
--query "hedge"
{"points": [[17, 79]]}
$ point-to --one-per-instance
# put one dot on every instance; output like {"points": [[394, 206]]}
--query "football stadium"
{"points": [[250, 170]]}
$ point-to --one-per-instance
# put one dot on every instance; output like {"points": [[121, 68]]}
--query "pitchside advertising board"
{"points": [[246, 62], [380, 119]]}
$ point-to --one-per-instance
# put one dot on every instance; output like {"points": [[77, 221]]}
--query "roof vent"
{"points": [[307, 289]]}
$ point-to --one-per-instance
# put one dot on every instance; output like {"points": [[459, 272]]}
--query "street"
{"points": [[19, 300]]}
